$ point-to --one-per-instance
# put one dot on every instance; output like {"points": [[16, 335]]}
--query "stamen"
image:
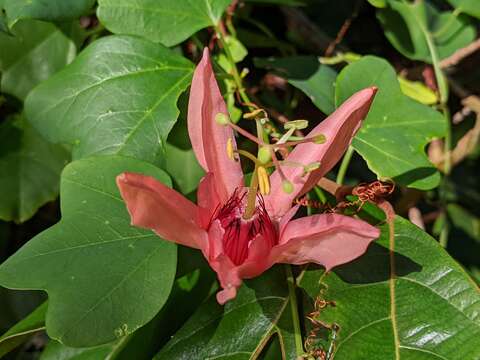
{"points": [[252, 196], [230, 150], [263, 180]]}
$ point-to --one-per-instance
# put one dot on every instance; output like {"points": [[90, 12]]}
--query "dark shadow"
{"points": [[294, 67], [374, 266], [391, 19], [414, 175]]}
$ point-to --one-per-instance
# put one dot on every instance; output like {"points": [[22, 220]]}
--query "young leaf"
{"points": [[470, 7], [31, 54], [397, 128], [153, 19], [104, 277], [29, 170], [406, 298], [120, 99]]}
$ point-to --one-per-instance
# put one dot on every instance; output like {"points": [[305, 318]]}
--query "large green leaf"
{"points": [[409, 27], [165, 21], [24, 329], [34, 52], [406, 298], [118, 97], [104, 278], [397, 128], [240, 329], [307, 74], [51, 10], [29, 170], [470, 7]]}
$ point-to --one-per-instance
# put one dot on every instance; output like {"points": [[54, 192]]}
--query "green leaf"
{"points": [[183, 167], [58, 351], [280, 2], [30, 170], [307, 74], [397, 128], [51, 10], [378, 3], [470, 7], [408, 26], [406, 298], [23, 330], [104, 277], [120, 99], [240, 329], [36, 51], [465, 221], [153, 19]]}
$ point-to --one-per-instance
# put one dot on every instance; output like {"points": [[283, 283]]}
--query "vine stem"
{"points": [[294, 308], [344, 165]]}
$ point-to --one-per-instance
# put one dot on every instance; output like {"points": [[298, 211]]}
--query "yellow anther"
{"points": [[263, 180], [296, 124], [257, 113], [230, 149], [311, 167]]}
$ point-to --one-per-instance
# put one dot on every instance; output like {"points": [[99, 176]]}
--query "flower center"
{"points": [[240, 233]]}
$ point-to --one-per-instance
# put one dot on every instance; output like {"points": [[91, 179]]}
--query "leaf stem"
{"points": [[294, 307], [344, 165]]}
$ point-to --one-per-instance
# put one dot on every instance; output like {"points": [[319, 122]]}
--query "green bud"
{"points": [[319, 139], [221, 119], [296, 124], [264, 155], [287, 186]]}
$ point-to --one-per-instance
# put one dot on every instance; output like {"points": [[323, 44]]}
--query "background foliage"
{"points": [[90, 89]]}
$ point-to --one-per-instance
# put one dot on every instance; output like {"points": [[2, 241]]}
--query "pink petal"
{"points": [[226, 270], [207, 199], [153, 205], [209, 139], [325, 239], [258, 259], [339, 130]]}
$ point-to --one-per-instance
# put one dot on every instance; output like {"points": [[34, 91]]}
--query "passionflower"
{"points": [[240, 233]]}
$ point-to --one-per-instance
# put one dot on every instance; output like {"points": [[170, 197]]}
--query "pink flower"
{"points": [[238, 248]]}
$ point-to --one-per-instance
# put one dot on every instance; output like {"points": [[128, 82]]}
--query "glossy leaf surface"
{"points": [[121, 99], [404, 299], [240, 329], [383, 141], [95, 267], [51, 10], [36, 51], [153, 19]]}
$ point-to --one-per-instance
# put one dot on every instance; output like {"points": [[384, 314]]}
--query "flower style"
{"points": [[237, 246]]}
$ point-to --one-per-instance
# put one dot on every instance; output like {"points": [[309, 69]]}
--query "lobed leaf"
{"points": [[104, 278], [120, 99]]}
